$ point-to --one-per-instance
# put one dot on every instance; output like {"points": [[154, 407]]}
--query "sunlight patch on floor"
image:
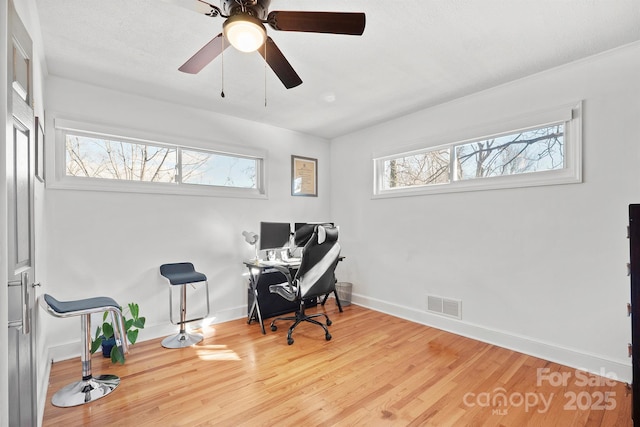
{"points": [[214, 352]]}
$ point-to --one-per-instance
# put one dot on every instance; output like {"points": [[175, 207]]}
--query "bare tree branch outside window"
{"points": [[535, 150], [530, 151], [120, 160], [100, 158], [431, 167], [216, 169]]}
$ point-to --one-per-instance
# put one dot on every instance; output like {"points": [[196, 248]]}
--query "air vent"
{"points": [[444, 306]]}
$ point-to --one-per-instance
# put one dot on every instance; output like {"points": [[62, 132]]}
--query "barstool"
{"points": [[182, 274], [89, 388]]}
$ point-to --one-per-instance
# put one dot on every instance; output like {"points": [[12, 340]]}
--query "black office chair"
{"points": [[300, 238], [315, 277]]}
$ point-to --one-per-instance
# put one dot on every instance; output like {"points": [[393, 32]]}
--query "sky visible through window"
{"points": [[216, 169], [534, 150], [95, 157]]}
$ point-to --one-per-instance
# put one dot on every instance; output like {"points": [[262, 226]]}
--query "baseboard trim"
{"points": [[574, 358], [43, 388]]}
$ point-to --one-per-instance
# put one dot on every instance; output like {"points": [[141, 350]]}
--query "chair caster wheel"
{"points": [[289, 341], [274, 328], [329, 322], [328, 337]]}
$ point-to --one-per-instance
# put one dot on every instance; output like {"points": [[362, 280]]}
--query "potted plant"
{"points": [[104, 336]]}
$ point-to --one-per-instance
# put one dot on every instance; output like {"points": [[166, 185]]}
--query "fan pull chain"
{"points": [[265, 74], [222, 66]]}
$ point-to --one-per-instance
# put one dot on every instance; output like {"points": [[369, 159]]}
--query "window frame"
{"points": [[571, 173], [180, 166], [61, 180]]}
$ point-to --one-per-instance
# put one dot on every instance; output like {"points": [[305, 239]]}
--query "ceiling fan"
{"points": [[244, 29]]}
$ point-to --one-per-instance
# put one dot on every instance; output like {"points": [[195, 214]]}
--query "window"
{"points": [[98, 160], [207, 168], [542, 154], [95, 157], [533, 150], [426, 168]]}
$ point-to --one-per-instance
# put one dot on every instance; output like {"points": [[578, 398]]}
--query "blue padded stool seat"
{"points": [[69, 307], [182, 274], [89, 388], [182, 278]]}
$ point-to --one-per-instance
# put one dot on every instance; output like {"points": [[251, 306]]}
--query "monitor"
{"points": [[274, 235]]}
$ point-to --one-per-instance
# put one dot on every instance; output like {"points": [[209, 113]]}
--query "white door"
{"points": [[20, 260]]}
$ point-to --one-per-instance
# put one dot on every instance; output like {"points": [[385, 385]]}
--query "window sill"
{"points": [[91, 184], [537, 179]]}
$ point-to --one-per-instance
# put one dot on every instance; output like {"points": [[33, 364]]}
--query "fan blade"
{"points": [[318, 22], [205, 55], [279, 64], [195, 5]]}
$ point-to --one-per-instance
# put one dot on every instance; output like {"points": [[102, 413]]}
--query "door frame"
{"points": [[5, 125], [19, 343]]}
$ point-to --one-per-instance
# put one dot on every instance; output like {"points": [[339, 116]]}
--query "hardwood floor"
{"points": [[377, 370]]}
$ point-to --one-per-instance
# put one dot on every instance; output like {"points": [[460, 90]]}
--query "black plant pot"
{"points": [[107, 345]]}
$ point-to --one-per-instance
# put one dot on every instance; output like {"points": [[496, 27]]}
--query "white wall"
{"points": [[540, 270], [112, 243]]}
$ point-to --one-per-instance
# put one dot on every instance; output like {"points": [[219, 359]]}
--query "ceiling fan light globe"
{"points": [[245, 33]]}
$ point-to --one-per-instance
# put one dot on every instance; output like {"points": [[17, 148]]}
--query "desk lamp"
{"points": [[252, 238]]}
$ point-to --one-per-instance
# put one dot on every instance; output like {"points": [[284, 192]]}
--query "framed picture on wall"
{"points": [[39, 149], [304, 176]]}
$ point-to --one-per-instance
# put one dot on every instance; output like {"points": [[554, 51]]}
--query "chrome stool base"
{"points": [[182, 340], [85, 391]]}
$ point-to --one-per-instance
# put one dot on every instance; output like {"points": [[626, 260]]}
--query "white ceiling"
{"points": [[413, 54]]}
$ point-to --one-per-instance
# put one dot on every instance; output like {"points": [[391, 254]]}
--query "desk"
{"points": [[262, 304]]}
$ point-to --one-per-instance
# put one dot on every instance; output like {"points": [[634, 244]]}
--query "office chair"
{"points": [[315, 276], [300, 238]]}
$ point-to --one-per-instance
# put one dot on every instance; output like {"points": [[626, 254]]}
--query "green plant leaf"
{"points": [[134, 309], [132, 336], [104, 316], [107, 330], [127, 324], [139, 322], [116, 355], [95, 345]]}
